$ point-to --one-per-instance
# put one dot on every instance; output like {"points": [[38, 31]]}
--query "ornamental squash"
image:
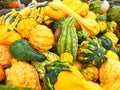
{"points": [[68, 40], [42, 38], [112, 37], [5, 56], [2, 73], [8, 35], [82, 36], [40, 66], [22, 74], [92, 52], [11, 18], [23, 50], [112, 55], [106, 42], [90, 72], [109, 71], [62, 75], [115, 85], [25, 26]]}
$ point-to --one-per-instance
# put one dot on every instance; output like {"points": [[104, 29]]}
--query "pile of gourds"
{"points": [[58, 45]]}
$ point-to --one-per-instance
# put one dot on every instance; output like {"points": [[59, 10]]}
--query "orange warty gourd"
{"points": [[22, 74], [2, 73], [42, 38]]}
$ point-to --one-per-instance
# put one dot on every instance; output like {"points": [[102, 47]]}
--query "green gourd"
{"points": [[106, 42], [23, 50], [68, 40], [92, 52]]}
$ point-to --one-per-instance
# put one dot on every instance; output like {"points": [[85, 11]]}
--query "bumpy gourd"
{"points": [[42, 38], [22, 74], [111, 68], [90, 72], [40, 66], [92, 52], [25, 26], [68, 40]]}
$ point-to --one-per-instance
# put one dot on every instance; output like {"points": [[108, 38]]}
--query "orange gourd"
{"points": [[42, 38], [2, 73]]}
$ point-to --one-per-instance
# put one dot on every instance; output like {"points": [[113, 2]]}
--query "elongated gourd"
{"points": [[68, 40]]}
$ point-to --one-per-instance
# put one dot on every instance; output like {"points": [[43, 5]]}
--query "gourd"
{"points": [[92, 52], [40, 66], [62, 75], [11, 18], [22, 74], [112, 37], [89, 25], [66, 56], [25, 26], [102, 21], [109, 69], [106, 42], [23, 50], [82, 35], [8, 87], [90, 72], [112, 55], [2, 73], [115, 85], [42, 38], [68, 40], [5, 56], [8, 34]]}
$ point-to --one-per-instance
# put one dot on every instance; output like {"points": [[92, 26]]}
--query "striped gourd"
{"points": [[11, 18], [68, 40]]}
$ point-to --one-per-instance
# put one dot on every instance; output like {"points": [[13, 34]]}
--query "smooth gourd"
{"points": [[23, 50]]}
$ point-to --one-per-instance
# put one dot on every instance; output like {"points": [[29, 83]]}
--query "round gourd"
{"points": [[42, 38], [25, 26], [90, 72], [109, 71], [112, 55], [82, 35], [91, 52], [22, 74], [112, 37], [106, 42]]}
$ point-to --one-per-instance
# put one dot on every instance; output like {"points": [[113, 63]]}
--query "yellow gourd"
{"points": [[25, 26], [42, 38], [22, 74], [112, 55], [91, 15], [73, 81], [8, 35], [66, 56], [109, 71], [112, 36], [112, 85]]}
